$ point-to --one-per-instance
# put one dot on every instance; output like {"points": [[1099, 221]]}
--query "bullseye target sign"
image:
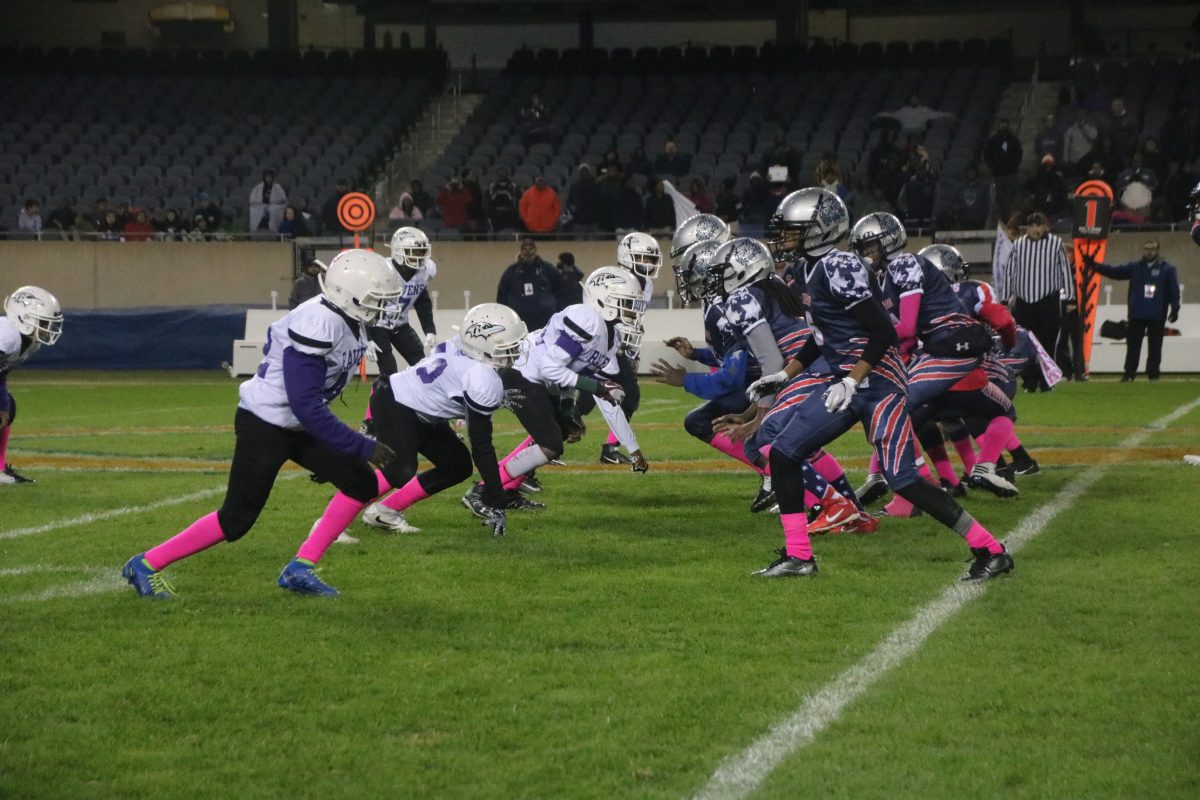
{"points": [[356, 212]]}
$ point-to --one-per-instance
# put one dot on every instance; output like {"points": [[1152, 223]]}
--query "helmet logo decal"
{"points": [[827, 211], [483, 329]]}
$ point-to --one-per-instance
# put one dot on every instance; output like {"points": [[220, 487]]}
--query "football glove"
{"points": [[382, 455], [430, 340], [767, 384], [640, 464], [611, 392], [496, 521], [838, 396]]}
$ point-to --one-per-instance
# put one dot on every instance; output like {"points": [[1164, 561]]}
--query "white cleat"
{"points": [[384, 518], [345, 538], [984, 476]]}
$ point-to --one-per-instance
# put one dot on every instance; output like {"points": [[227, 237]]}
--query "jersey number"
{"points": [[431, 375]]}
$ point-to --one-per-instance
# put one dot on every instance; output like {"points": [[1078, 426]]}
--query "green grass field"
{"points": [[613, 645]]}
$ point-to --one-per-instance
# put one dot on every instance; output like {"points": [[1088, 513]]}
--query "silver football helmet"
{"points": [[947, 259], [410, 247], [35, 312], [808, 222], [492, 333], [879, 228], [693, 267], [738, 263], [697, 228], [361, 283], [614, 292], [640, 254]]}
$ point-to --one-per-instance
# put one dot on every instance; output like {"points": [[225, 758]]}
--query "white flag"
{"points": [[1000, 253], [684, 207]]}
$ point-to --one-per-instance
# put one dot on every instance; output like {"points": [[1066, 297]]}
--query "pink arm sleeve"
{"points": [[906, 328]]}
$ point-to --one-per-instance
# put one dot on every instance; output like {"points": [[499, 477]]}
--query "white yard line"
{"points": [[102, 580], [743, 772]]}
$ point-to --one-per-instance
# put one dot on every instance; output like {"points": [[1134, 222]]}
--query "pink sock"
{"points": [[875, 468], [338, 515], [941, 462], [899, 507], [923, 471], [381, 484], [372, 394], [993, 439], [795, 536], [732, 449], [977, 536], [612, 438], [828, 467], [200, 535], [407, 495], [811, 499], [966, 452], [1012, 444], [4, 445]]}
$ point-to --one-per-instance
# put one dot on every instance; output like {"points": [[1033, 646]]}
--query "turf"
{"points": [[611, 646]]}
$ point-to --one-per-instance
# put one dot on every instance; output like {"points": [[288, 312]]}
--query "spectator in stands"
{"points": [[531, 287], [1134, 190], [698, 194], [1122, 127], [172, 225], [973, 202], [140, 228], [572, 279], [83, 225], [214, 217], [405, 212], [1105, 152], [99, 212], [829, 177], [293, 223], [1155, 159], [308, 285], [200, 231], [29, 218], [502, 202], [781, 154], [916, 198], [453, 200], [267, 201], [124, 213], [639, 164], [540, 207], [1046, 190], [1078, 142], [1002, 154], [757, 206], [627, 210], [477, 218], [659, 211], [421, 198], [585, 202], [62, 219], [1178, 134], [779, 183], [330, 225], [535, 121], [1177, 191], [915, 116], [671, 162], [1048, 141], [110, 226], [729, 205]]}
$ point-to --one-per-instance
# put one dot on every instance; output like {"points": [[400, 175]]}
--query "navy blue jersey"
{"points": [[718, 333], [940, 308], [835, 284], [749, 307], [972, 295], [793, 278]]}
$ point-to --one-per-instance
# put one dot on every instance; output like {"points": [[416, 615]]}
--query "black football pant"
{"points": [[404, 339], [1152, 330], [535, 409], [1044, 319], [403, 430]]}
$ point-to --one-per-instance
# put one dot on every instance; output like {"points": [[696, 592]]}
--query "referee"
{"points": [[1036, 281]]}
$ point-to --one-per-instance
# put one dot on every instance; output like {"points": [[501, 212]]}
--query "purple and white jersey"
{"points": [[576, 341], [396, 315], [447, 383], [11, 354], [313, 328], [647, 292]]}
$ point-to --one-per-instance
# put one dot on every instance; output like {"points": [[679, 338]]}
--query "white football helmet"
{"points": [[882, 228], [737, 263], [631, 338], [35, 312], [640, 254], [819, 217], [947, 259], [693, 267], [492, 333], [361, 283], [615, 292], [410, 247], [697, 228]]}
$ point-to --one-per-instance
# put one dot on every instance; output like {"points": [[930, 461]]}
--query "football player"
{"points": [[576, 351], [283, 415], [867, 384], [32, 318], [412, 412]]}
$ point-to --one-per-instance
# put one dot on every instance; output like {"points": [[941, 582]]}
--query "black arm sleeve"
{"points": [[483, 452], [809, 353], [880, 333], [424, 308]]}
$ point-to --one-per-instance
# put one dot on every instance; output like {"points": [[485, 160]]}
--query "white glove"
{"points": [[767, 384], [838, 396], [430, 340]]}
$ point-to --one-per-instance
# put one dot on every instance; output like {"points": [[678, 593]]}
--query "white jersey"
{"points": [[576, 341], [313, 328], [11, 354], [647, 292], [396, 315], [447, 383]]}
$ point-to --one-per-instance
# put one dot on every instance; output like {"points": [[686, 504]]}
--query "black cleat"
{"points": [[986, 565], [787, 567], [765, 497], [954, 489], [531, 485], [519, 502], [875, 488], [11, 476], [610, 454], [1030, 468]]}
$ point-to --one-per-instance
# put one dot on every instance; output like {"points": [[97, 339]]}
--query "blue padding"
{"points": [[145, 338]]}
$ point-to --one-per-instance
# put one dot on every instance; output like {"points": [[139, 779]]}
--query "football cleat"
{"points": [[874, 489], [1030, 468], [377, 515], [862, 523], [531, 485], [345, 538], [954, 489], [834, 513], [611, 454], [367, 428], [984, 476], [787, 567], [519, 502], [148, 581], [473, 500], [765, 497], [10, 476], [301, 577], [986, 565]]}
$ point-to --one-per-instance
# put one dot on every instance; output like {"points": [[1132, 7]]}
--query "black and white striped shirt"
{"points": [[1035, 269]]}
